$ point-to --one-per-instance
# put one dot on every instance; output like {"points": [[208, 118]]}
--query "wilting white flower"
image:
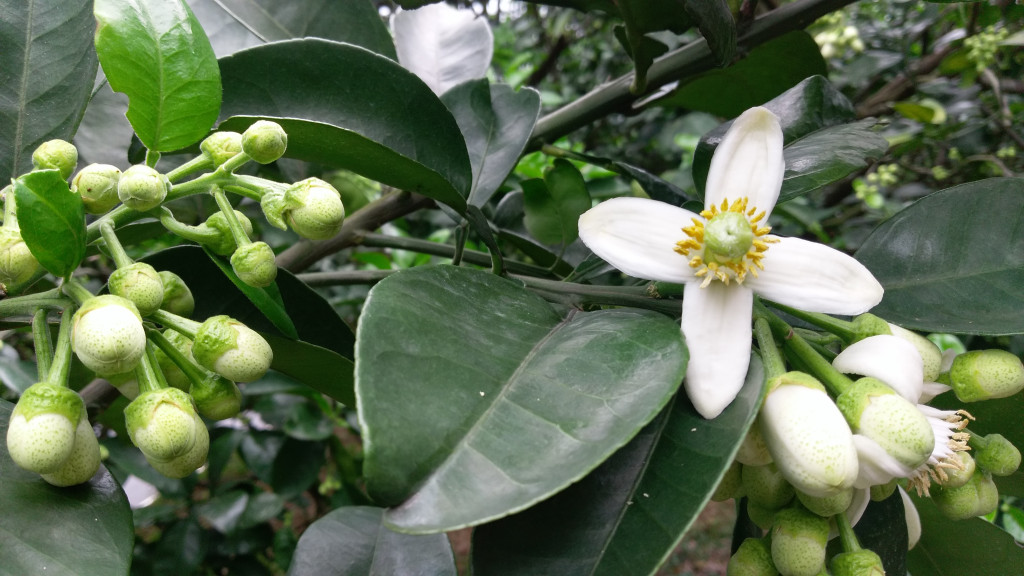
{"points": [[725, 254]]}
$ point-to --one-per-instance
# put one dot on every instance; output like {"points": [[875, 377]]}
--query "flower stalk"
{"points": [[41, 341]]}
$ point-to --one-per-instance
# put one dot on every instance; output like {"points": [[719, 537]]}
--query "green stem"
{"points": [[846, 533], [344, 277], [233, 163], [147, 372], [121, 258], [191, 370], [841, 328], [774, 365], [976, 441], [665, 289], [176, 323], [41, 341], [834, 380], [194, 165], [194, 233], [152, 157], [445, 251], [10, 210], [237, 232], [28, 304], [582, 295], [249, 193], [76, 291], [60, 368]]}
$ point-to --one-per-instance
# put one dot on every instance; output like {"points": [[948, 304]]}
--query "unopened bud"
{"points": [[731, 484], [231, 349], [161, 423], [190, 461], [82, 463], [142, 188], [57, 155], [140, 283], [107, 335], [828, 505], [216, 397], [979, 496], [763, 517], [862, 562], [317, 212], [753, 451], [798, 542], [752, 558], [998, 456], [41, 433], [220, 147], [880, 492], [766, 486], [264, 141], [931, 356], [867, 325], [172, 373], [17, 264], [178, 298], [255, 264], [986, 374], [97, 185], [876, 411], [225, 242]]}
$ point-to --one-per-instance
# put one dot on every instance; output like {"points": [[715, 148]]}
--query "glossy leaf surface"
{"points": [[329, 99], [44, 84], [158, 54], [954, 260], [77, 531], [629, 513], [52, 220], [486, 400], [552, 206], [948, 547], [496, 123], [353, 541]]}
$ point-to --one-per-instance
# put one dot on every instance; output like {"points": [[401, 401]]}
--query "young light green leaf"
{"points": [[487, 401], [52, 220], [37, 516], [159, 56], [553, 206], [44, 85], [954, 260], [353, 541]]}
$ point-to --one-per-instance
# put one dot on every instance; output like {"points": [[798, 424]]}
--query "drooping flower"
{"points": [[896, 362], [725, 254]]}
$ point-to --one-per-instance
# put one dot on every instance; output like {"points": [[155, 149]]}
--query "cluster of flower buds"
{"points": [[817, 454]]}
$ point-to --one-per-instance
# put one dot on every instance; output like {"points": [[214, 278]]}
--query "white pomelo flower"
{"points": [[442, 45]]}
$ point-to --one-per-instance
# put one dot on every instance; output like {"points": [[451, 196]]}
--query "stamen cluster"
{"points": [[710, 264]]}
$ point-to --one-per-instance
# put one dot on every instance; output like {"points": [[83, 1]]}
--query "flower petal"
{"points": [[931, 390], [913, 519], [442, 45], [815, 278], [890, 359], [876, 466], [638, 236], [748, 162], [716, 324]]}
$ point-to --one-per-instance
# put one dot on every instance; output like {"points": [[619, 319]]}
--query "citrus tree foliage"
{"points": [[320, 287]]}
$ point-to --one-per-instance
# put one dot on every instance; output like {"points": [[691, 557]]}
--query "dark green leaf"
{"points": [[629, 514], [81, 530], [829, 155], [223, 511], [883, 529], [353, 21], [353, 541], [159, 55], [486, 401], [321, 369], [955, 548], [267, 299], [346, 107], [261, 507], [52, 220], [496, 123], [954, 261], [809, 106], [553, 206], [715, 22], [767, 71], [16, 374], [105, 134], [227, 35], [49, 65]]}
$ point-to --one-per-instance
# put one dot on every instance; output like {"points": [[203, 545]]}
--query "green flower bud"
{"points": [[58, 155], [753, 451], [317, 212], [264, 141], [979, 496], [216, 397], [254, 264], [867, 325], [107, 335], [985, 374], [83, 462], [880, 492], [127, 383], [752, 558], [998, 456], [190, 461], [220, 147], [876, 411], [827, 505], [863, 562], [957, 477], [798, 542], [97, 185], [17, 264], [731, 484], [172, 373], [161, 423], [763, 517], [766, 486], [930, 353], [231, 349], [140, 283], [807, 436], [177, 297], [41, 433], [142, 188], [225, 244]]}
